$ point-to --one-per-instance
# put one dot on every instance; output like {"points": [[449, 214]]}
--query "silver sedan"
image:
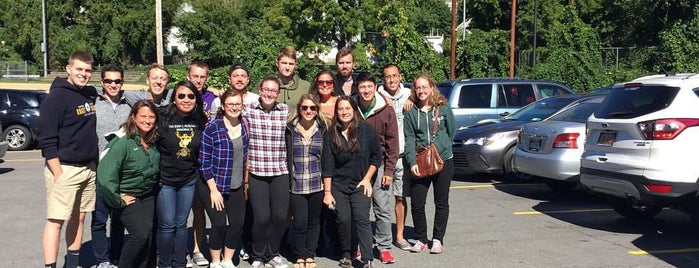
{"points": [[551, 149]]}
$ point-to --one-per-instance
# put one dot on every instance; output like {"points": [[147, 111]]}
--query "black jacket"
{"points": [[339, 81], [345, 168]]}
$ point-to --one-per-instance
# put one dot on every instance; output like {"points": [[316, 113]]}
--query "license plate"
{"points": [[606, 138], [534, 145]]}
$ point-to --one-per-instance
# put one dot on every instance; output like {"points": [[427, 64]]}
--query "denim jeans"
{"points": [[105, 249], [172, 210]]}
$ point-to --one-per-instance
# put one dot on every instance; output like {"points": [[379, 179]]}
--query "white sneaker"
{"points": [[104, 265], [199, 259], [277, 262], [437, 247], [227, 264], [216, 265], [190, 263], [257, 264], [244, 255]]}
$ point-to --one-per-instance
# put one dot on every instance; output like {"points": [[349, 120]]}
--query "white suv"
{"points": [[642, 147]]}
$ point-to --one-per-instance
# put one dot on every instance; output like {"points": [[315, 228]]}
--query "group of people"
{"points": [[315, 157]]}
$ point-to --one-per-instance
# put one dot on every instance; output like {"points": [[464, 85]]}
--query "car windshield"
{"points": [[577, 113], [539, 110]]}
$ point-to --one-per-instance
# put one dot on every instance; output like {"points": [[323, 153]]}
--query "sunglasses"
{"points": [[182, 96], [325, 82], [109, 81], [306, 107]]}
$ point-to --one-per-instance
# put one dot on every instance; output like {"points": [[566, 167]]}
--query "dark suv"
{"points": [[19, 113], [473, 100]]}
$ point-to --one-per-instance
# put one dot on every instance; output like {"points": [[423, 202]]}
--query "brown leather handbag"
{"points": [[429, 162]]}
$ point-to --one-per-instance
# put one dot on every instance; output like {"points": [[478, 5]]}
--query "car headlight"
{"points": [[484, 141]]}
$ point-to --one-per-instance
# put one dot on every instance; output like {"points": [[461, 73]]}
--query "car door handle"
{"points": [[601, 159]]}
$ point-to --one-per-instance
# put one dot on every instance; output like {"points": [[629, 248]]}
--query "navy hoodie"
{"points": [[67, 123]]}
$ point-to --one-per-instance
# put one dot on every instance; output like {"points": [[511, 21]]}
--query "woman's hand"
{"points": [[329, 200], [415, 171], [367, 187], [216, 199], [128, 199]]}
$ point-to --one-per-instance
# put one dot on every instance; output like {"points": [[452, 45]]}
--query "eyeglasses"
{"points": [[182, 95], [325, 82], [109, 81], [306, 107], [269, 90], [232, 105]]}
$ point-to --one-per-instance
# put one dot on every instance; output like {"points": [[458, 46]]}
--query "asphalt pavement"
{"points": [[491, 224]]}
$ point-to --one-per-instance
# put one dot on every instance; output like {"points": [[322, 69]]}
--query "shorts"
{"points": [[73, 191], [400, 188]]}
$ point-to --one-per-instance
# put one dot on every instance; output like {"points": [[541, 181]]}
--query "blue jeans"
{"points": [[105, 249], [172, 208]]}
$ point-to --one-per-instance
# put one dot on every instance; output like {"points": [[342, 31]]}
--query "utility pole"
{"points": [[44, 47], [513, 19], [159, 31], [536, 12], [452, 63]]}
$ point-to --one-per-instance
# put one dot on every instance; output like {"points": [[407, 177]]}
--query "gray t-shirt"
{"points": [[237, 175]]}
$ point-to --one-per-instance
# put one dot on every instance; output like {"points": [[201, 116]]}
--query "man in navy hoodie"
{"points": [[68, 140]]}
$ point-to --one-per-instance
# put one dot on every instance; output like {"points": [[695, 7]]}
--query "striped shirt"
{"points": [[267, 142], [306, 157]]}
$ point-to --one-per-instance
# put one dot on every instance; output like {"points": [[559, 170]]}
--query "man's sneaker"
{"points": [[257, 264], [403, 244], [368, 265], [104, 265], [199, 259], [216, 265], [277, 262], [345, 262], [418, 247], [358, 255], [190, 263], [386, 257], [437, 247], [227, 264], [244, 254]]}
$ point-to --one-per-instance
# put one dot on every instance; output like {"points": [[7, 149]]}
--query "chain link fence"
{"points": [[17, 70]]}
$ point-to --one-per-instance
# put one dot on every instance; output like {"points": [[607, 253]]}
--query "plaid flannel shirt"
{"points": [[267, 140]]}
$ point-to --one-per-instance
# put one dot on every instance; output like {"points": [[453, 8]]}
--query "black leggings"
{"points": [[138, 220], [234, 210], [306, 211], [418, 194], [269, 200]]}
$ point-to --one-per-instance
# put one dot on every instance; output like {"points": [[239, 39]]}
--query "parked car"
{"points": [[489, 147], [643, 145], [551, 149], [473, 100], [3, 145], [19, 113]]}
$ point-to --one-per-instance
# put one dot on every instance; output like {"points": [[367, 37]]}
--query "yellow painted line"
{"points": [[663, 251], [472, 186], [561, 211], [25, 160]]}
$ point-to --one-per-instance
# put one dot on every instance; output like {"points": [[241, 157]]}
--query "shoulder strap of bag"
{"points": [[435, 120]]}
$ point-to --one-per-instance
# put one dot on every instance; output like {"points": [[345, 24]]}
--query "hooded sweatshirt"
{"points": [[383, 118], [67, 124]]}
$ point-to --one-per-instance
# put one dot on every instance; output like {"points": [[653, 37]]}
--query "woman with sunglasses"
{"points": [[324, 91], [180, 130], [223, 155], [127, 177], [304, 139], [351, 156]]}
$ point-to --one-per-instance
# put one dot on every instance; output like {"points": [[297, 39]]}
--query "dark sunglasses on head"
{"points": [[182, 95], [306, 107], [109, 81]]}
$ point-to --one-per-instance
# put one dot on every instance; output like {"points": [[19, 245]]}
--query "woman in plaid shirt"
{"points": [[224, 148], [304, 139]]}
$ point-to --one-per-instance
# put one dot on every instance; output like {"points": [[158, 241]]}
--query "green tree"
{"points": [[483, 54], [679, 42]]}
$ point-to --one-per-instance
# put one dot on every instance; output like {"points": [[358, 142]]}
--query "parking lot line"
{"points": [[472, 186], [25, 160], [663, 251], [561, 211]]}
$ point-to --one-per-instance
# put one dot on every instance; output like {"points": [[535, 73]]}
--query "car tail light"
{"points": [[566, 141], [665, 129], [659, 188]]}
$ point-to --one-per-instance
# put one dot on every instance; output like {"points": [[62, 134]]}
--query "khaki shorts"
{"points": [[73, 191]]}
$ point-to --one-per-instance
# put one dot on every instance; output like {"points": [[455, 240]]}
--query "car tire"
{"points": [[509, 167], [18, 137], [560, 186], [624, 207]]}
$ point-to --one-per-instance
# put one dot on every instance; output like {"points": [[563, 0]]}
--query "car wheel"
{"points": [[560, 186], [509, 167], [624, 207], [18, 137]]}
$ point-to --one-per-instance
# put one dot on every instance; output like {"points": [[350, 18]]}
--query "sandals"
{"points": [[300, 263], [310, 263]]}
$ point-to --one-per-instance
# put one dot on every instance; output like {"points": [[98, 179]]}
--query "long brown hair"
{"points": [[337, 127], [435, 99], [130, 125]]}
